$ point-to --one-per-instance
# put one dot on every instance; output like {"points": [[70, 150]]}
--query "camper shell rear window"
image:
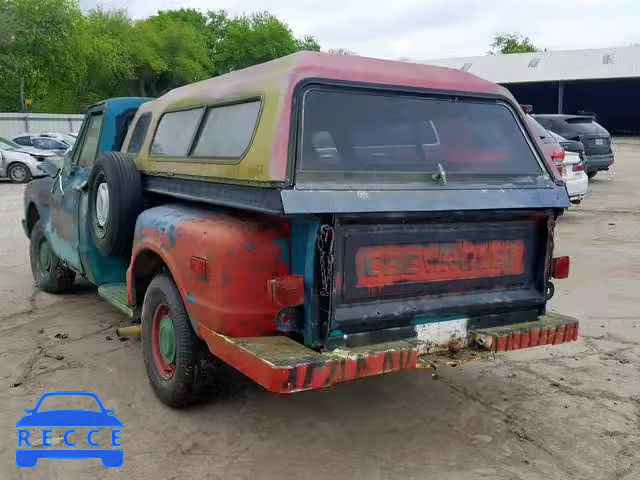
{"points": [[354, 134]]}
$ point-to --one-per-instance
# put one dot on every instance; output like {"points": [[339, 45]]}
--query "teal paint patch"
{"points": [[336, 333], [172, 235], [99, 269], [283, 243], [423, 319], [191, 298], [303, 248], [62, 248]]}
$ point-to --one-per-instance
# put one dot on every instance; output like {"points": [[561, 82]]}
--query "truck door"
{"points": [[63, 229]]}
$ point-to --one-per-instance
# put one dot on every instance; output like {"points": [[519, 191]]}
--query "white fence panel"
{"points": [[14, 123]]}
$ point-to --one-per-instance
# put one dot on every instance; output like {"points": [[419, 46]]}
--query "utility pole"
{"points": [[22, 106]]}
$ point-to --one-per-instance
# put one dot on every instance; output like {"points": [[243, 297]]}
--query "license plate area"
{"points": [[390, 261], [599, 141], [384, 265]]}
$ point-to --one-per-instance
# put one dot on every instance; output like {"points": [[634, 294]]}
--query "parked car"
{"points": [[567, 156], [595, 138], [572, 168], [309, 221], [17, 164], [34, 152], [56, 143]]}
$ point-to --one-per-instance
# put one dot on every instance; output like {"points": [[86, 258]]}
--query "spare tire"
{"points": [[115, 201]]}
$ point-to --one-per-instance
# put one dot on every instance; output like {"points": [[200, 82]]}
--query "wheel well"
{"points": [[146, 266], [32, 217]]}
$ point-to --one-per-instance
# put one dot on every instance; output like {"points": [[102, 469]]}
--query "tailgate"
{"points": [[390, 274], [596, 144]]}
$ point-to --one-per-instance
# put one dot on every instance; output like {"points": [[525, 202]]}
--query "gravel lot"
{"points": [[568, 412]]}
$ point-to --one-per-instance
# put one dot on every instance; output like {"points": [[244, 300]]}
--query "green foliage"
{"points": [[511, 43], [67, 60], [248, 40], [41, 51]]}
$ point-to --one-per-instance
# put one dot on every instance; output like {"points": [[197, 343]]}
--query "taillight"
{"points": [[578, 167], [287, 291], [560, 267], [557, 155]]}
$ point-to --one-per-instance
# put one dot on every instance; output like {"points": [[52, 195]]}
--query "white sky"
{"points": [[428, 29]]}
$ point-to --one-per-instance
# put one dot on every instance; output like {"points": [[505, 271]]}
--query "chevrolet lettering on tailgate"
{"points": [[381, 265]]}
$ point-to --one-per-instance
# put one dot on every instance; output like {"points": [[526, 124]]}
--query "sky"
{"points": [[429, 29]]}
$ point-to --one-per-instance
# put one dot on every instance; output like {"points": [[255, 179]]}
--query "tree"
{"points": [[65, 60], [167, 52], [308, 43], [511, 43], [40, 53], [247, 40], [107, 38]]}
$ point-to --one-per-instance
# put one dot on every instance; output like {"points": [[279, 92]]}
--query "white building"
{"points": [[605, 81]]}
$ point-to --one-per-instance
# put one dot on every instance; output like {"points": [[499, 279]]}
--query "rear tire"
{"points": [[179, 366], [592, 174], [48, 271], [19, 173], [115, 201]]}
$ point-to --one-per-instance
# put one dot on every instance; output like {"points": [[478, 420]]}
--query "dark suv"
{"points": [[594, 137]]}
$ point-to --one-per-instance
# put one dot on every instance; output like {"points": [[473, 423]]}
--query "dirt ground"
{"points": [[568, 412]]}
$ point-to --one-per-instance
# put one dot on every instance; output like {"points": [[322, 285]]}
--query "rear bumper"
{"points": [[577, 187], [282, 365], [595, 163]]}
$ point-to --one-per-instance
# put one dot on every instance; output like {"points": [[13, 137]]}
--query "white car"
{"points": [[572, 170], [57, 143], [16, 164], [567, 158], [575, 177]]}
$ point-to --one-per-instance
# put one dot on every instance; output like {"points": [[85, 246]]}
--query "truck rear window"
{"points": [[359, 135], [584, 125]]}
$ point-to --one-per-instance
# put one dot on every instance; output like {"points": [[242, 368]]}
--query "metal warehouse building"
{"points": [[604, 81]]}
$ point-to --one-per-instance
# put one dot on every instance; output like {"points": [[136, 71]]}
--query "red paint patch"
{"points": [[382, 265], [535, 336]]}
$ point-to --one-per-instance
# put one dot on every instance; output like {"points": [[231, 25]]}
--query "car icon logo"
{"points": [[27, 456]]}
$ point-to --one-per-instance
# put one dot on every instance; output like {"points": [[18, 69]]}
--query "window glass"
{"points": [[584, 125], [24, 141], [540, 130], [347, 131], [46, 143], [227, 130], [7, 146], [175, 132], [90, 142], [139, 133]]}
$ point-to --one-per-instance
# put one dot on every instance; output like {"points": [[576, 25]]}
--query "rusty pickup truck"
{"points": [[308, 221]]}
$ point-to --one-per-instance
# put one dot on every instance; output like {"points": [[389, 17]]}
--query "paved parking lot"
{"points": [[568, 412]]}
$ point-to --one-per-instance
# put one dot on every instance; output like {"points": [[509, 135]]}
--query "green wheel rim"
{"points": [[167, 339], [44, 256]]}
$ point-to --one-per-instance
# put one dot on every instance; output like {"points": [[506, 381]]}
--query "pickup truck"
{"points": [[308, 221]]}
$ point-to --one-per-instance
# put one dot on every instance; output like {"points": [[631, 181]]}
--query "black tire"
{"points": [[188, 376], [18, 173], [50, 275], [113, 234], [592, 174]]}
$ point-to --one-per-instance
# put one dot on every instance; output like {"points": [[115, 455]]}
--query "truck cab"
{"points": [[59, 201], [309, 221]]}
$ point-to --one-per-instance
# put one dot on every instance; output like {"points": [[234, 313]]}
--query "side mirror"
{"points": [[51, 166]]}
